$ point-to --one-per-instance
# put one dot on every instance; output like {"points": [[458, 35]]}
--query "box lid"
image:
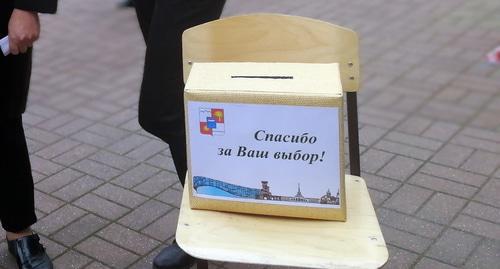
{"points": [[280, 78]]}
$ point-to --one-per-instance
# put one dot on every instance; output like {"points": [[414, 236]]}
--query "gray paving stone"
{"points": [[101, 207], [379, 121], [129, 239], [487, 135], [156, 184], [147, 261], [40, 135], [107, 131], [127, 144], [79, 230], [453, 174], [46, 203], [55, 122], [404, 150], [96, 169], [144, 215], [58, 180], [147, 150], [43, 166], [165, 227], [58, 148], [82, 110], [107, 253], [76, 154], [409, 223], [73, 126], [171, 196], [43, 111], [34, 146], [441, 208], [487, 120], [477, 226], [377, 197], [414, 140], [484, 212], [405, 240], [447, 112], [482, 162], [489, 193], [97, 265], [133, 126], [370, 134], [121, 117], [453, 247], [400, 168], [443, 185], [77, 188], [372, 160], [441, 130], [475, 99], [408, 199], [452, 155], [37, 177], [414, 125], [162, 161], [114, 160], [381, 183], [71, 259], [120, 195], [92, 139], [58, 219], [477, 143], [487, 255], [136, 175], [427, 263], [399, 258]]}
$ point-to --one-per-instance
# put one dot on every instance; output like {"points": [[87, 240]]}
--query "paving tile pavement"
{"points": [[106, 191]]}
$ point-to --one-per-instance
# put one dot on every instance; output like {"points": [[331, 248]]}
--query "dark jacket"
{"points": [[15, 71]]}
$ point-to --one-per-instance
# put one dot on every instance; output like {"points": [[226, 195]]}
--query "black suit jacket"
{"points": [[15, 71]]}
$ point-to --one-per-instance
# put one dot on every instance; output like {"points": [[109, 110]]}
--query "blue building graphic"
{"points": [[213, 187]]}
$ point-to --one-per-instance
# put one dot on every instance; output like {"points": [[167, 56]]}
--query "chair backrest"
{"points": [[280, 38], [274, 38]]}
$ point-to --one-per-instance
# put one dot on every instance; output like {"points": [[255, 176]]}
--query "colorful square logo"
{"points": [[212, 121]]}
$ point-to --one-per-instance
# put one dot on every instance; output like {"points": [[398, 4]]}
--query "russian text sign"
{"points": [[275, 154]]}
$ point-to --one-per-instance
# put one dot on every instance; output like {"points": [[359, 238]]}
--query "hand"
{"points": [[24, 30]]}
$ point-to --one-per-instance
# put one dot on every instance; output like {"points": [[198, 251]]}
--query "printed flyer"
{"points": [[261, 153]]}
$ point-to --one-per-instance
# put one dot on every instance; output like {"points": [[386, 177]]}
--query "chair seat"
{"points": [[254, 239]]}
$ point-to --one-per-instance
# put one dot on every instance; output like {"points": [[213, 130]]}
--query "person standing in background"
{"points": [[161, 105], [19, 20]]}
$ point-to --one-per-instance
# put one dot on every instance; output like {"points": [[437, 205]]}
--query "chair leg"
{"points": [[352, 125], [201, 264]]}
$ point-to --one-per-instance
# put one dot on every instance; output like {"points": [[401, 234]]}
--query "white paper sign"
{"points": [[258, 153], [4, 45]]}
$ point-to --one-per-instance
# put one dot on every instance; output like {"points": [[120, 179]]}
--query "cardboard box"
{"points": [[266, 138]]}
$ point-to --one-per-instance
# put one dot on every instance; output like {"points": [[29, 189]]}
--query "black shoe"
{"points": [[126, 3], [173, 257], [29, 253]]}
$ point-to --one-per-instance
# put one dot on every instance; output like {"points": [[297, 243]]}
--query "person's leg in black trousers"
{"points": [[17, 204], [161, 106], [17, 210]]}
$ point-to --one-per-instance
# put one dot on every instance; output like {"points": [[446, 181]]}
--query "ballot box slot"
{"points": [[264, 77]]}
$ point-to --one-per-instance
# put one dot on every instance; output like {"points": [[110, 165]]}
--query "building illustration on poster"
{"points": [[213, 187]]}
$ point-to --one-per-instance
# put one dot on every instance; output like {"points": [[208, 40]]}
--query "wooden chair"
{"points": [[232, 237]]}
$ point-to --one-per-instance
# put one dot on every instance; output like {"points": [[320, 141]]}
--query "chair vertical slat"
{"points": [[352, 127]]}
